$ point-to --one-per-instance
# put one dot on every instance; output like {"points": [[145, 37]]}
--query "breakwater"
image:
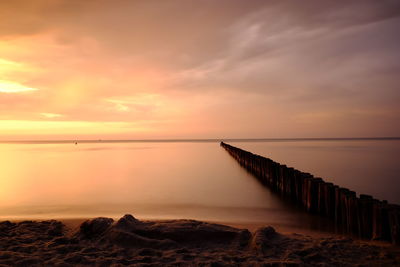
{"points": [[361, 215]]}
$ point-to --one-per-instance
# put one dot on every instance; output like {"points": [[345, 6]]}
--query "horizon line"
{"points": [[201, 140]]}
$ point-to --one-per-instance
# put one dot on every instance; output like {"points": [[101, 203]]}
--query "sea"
{"points": [[183, 179]]}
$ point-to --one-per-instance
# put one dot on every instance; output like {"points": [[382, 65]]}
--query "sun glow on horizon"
{"points": [[36, 127]]}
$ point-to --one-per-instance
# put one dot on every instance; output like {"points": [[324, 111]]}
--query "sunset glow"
{"points": [[199, 132], [88, 69], [11, 87]]}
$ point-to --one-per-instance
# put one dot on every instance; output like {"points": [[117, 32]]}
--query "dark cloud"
{"points": [[335, 59], [185, 30]]}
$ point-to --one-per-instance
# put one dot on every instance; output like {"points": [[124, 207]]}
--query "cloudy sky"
{"points": [[199, 69]]}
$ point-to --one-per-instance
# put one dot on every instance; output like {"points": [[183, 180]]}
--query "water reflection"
{"points": [[178, 180], [168, 173]]}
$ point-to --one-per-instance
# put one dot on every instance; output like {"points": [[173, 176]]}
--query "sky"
{"points": [[145, 69]]}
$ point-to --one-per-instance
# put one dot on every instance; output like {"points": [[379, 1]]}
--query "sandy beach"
{"points": [[128, 241]]}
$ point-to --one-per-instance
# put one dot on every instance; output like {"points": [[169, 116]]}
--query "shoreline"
{"points": [[74, 222], [129, 241]]}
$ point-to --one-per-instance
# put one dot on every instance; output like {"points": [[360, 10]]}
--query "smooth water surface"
{"points": [[151, 180], [365, 166], [192, 180]]}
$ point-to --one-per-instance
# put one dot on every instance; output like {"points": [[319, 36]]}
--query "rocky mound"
{"points": [[128, 241], [132, 233]]}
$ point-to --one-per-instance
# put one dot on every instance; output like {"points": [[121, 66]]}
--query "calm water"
{"points": [[365, 166], [198, 180]]}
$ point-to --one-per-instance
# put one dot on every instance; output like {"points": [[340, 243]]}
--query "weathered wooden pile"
{"points": [[363, 216]]}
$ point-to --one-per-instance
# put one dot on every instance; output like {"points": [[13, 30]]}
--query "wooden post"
{"points": [[380, 221], [364, 216], [394, 223]]}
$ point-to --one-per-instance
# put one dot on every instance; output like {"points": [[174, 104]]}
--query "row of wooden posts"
{"points": [[362, 216]]}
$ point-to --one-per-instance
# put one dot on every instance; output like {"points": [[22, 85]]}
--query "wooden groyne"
{"points": [[362, 216]]}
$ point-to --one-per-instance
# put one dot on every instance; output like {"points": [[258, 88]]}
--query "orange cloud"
{"points": [[247, 69], [13, 87]]}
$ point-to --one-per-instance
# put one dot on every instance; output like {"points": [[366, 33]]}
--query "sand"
{"points": [[128, 241]]}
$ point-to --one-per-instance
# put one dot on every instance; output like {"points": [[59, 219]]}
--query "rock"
{"points": [[94, 228], [55, 229], [128, 222], [265, 233], [6, 225], [263, 238], [127, 239], [195, 233]]}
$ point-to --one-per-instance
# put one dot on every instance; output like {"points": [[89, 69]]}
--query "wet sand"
{"points": [[128, 241]]}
